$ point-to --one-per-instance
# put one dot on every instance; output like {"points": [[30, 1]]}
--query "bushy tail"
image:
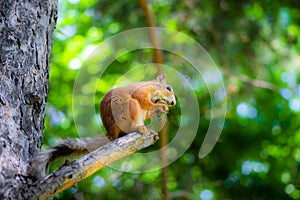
{"points": [[68, 149]]}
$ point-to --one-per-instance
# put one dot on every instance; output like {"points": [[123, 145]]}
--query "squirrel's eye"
{"points": [[169, 88]]}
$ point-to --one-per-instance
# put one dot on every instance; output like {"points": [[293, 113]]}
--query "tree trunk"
{"points": [[26, 34]]}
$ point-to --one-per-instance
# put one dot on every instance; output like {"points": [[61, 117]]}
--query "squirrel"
{"points": [[123, 110]]}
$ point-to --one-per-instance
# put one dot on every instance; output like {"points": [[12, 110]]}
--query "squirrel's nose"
{"points": [[172, 103]]}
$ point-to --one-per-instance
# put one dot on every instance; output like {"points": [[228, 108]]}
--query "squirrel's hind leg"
{"points": [[137, 116]]}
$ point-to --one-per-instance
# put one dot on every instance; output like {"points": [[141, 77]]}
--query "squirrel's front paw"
{"points": [[165, 108], [161, 107]]}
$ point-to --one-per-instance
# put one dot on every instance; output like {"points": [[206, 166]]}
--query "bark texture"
{"points": [[26, 34]]}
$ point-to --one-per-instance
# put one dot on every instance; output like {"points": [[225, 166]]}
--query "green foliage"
{"points": [[258, 154]]}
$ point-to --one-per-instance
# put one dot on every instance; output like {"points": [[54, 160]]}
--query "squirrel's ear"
{"points": [[161, 78]]}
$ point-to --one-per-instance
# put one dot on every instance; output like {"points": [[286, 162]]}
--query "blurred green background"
{"points": [[256, 46]]}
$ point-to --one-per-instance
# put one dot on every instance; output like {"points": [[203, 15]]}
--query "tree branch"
{"points": [[259, 83], [87, 165], [158, 58]]}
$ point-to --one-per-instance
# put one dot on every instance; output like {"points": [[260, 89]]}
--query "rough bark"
{"points": [[26, 34]]}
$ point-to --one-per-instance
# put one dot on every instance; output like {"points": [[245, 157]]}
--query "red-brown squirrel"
{"points": [[123, 110]]}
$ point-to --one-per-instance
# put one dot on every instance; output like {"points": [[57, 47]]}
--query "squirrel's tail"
{"points": [[68, 149]]}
